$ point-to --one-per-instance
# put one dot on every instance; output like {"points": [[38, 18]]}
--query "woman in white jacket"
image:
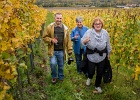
{"points": [[97, 41]]}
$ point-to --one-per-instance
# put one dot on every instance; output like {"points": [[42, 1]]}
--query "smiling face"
{"points": [[98, 25], [79, 24], [58, 19]]}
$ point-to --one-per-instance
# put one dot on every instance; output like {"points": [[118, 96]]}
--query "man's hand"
{"points": [[54, 40]]}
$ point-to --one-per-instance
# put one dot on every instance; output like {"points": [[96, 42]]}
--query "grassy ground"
{"points": [[122, 87]]}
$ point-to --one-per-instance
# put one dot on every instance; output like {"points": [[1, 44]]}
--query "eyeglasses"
{"points": [[97, 23]]}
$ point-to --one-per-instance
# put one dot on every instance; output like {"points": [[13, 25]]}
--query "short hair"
{"points": [[79, 18], [57, 14], [97, 19]]}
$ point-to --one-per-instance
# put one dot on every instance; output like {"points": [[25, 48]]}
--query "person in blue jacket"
{"points": [[76, 35]]}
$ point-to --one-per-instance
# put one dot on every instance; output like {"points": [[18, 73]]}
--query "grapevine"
{"points": [[20, 24]]}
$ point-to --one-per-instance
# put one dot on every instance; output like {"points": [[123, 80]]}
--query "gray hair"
{"points": [[79, 18], [57, 14]]}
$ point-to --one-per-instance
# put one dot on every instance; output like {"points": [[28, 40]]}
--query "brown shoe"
{"points": [[61, 80], [54, 80]]}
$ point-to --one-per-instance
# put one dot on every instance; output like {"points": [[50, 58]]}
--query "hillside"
{"points": [[98, 3]]}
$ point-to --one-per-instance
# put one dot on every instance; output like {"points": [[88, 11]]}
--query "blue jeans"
{"points": [[78, 58], [57, 60]]}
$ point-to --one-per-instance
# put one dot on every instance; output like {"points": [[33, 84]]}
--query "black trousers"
{"points": [[84, 64], [99, 67]]}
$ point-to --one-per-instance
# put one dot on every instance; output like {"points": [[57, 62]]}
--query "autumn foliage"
{"points": [[123, 27], [20, 24]]}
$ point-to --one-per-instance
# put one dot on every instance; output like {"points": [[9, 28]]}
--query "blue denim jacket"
{"points": [[77, 42]]}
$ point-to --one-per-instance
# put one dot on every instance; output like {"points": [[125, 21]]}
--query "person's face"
{"points": [[79, 24], [58, 19], [98, 26]]}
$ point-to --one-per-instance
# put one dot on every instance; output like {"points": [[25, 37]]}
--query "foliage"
{"points": [[123, 28], [73, 87], [19, 25], [123, 86]]}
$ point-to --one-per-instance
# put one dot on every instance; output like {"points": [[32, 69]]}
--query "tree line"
{"points": [[97, 3]]}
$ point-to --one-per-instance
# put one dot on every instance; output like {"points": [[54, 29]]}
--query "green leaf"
{"points": [[5, 55]]}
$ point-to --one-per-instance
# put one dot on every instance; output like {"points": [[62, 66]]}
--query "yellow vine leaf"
{"points": [[16, 42], [6, 87], [19, 25], [13, 1], [137, 72], [8, 97], [4, 27], [5, 96], [1, 10], [0, 38], [17, 4], [3, 45], [9, 76], [16, 21], [6, 20], [13, 70], [1, 18], [7, 71], [1, 62], [2, 94], [8, 8], [19, 28]]}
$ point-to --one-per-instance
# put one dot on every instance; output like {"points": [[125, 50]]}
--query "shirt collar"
{"points": [[57, 25], [79, 28]]}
